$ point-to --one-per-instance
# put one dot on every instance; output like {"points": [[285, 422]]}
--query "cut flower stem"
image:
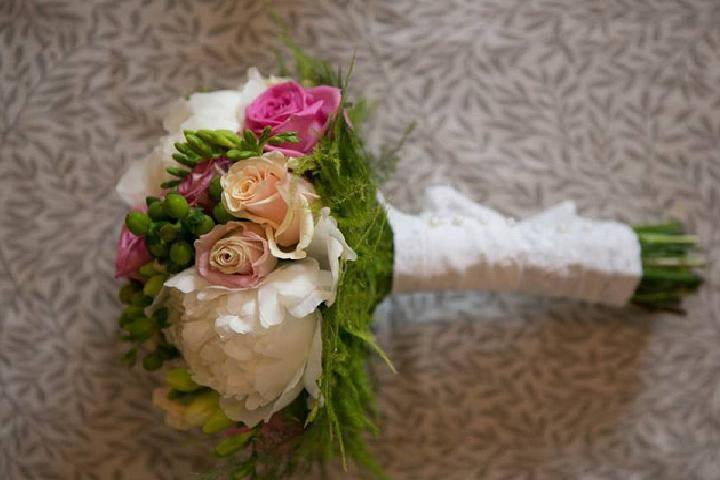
{"points": [[667, 266]]}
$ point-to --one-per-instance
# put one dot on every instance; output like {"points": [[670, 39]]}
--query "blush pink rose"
{"points": [[194, 187], [262, 189], [131, 254], [288, 107], [234, 255]]}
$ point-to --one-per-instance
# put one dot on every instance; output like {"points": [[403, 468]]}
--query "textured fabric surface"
{"points": [[519, 103], [457, 244]]}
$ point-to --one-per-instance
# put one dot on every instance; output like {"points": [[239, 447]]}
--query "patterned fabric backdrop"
{"points": [[520, 103]]}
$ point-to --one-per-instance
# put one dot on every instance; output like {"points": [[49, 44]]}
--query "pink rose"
{"points": [[194, 187], [234, 255], [262, 190], [131, 254], [288, 107]]}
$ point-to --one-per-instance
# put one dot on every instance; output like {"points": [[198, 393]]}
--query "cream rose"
{"points": [[262, 189]]}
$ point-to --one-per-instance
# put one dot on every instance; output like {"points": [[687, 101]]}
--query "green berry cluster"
{"points": [[169, 229], [143, 330]]}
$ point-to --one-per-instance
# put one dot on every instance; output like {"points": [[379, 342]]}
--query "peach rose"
{"points": [[234, 255], [262, 189]]}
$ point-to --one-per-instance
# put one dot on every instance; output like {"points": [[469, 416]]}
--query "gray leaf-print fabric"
{"points": [[519, 103]]}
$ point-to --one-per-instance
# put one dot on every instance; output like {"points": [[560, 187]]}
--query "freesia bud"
{"points": [[179, 379], [198, 145], [232, 444], [201, 408], [240, 154], [177, 172], [231, 137], [170, 184], [218, 421]]}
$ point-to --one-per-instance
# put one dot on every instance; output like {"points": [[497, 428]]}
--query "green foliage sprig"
{"points": [[343, 178]]}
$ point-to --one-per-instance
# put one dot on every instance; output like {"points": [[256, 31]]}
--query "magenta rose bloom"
{"points": [[194, 186], [131, 254], [234, 255], [288, 107]]}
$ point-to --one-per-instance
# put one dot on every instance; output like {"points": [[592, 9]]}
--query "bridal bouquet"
{"points": [[257, 247]]}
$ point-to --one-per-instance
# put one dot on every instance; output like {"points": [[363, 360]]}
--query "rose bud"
{"points": [[234, 255]]}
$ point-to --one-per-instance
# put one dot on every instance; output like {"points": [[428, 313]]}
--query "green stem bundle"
{"points": [[668, 262]]}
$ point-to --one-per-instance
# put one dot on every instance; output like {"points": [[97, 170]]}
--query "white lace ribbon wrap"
{"points": [[457, 244]]}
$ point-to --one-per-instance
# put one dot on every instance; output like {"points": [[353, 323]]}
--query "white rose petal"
{"points": [[142, 179], [328, 247], [177, 113], [296, 288], [219, 110]]}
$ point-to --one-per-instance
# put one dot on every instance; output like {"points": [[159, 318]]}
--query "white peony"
{"points": [[258, 347], [222, 109]]}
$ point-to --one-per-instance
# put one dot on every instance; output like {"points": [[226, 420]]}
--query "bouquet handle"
{"points": [[457, 244]]}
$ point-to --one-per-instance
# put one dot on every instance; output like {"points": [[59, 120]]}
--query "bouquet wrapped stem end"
{"points": [[668, 259]]}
